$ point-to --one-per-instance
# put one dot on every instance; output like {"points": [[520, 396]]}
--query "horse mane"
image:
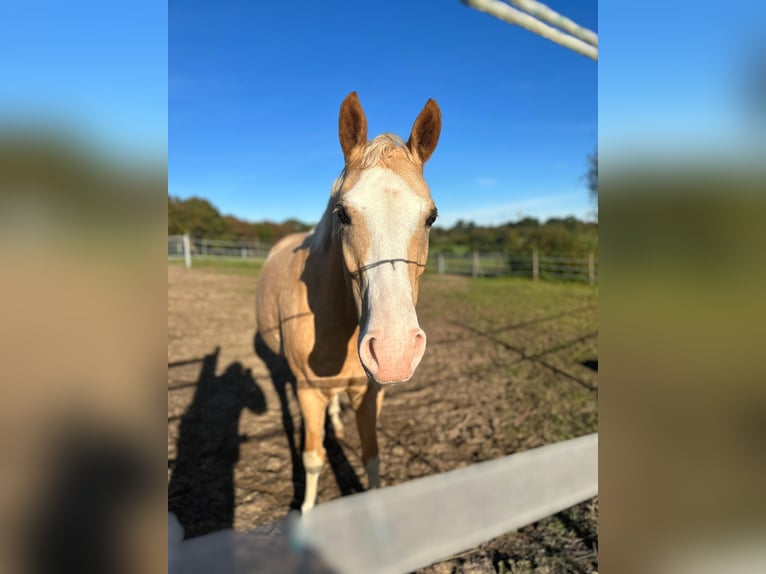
{"points": [[374, 153]]}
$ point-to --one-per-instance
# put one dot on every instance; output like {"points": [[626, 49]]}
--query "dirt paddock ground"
{"points": [[510, 365]]}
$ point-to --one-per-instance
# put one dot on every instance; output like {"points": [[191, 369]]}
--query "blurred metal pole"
{"points": [[513, 16], [187, 250]]}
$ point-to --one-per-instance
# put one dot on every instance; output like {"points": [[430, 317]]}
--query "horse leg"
{"points": [[367, 412], [313, 406], [334, 412]]}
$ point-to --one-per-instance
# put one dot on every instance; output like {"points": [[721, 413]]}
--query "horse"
{"points": [[338, 302]]}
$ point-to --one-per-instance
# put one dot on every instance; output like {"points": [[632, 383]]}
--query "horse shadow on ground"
{"points": [[285, 385], [96, 476], [201, 487]]}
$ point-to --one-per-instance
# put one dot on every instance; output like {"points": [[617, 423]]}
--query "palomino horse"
{"points": [[339, 302]]}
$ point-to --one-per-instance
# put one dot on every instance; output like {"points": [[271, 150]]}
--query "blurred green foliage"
{"points": [[60, 194], [591, 175], [682, 402]]}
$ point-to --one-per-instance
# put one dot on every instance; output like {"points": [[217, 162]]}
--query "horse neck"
{"points": [[325, 262]]}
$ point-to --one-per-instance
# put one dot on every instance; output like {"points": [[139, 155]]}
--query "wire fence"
{"points": [[475, 264], [531, 265], [420, 522], [187, 247]]}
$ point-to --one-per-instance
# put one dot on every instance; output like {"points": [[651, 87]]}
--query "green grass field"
{"points": [[226, 265]]}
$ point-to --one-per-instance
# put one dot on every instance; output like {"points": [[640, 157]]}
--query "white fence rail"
{"points": [[407, 526], [187, 248]]}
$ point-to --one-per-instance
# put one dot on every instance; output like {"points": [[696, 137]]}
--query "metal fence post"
{"points": [[440, 260], [475, 265], [187, 250], [535, 265], [591, 269]]}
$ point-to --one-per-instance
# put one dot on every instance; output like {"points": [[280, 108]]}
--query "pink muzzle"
{"points": [[392, 357]]}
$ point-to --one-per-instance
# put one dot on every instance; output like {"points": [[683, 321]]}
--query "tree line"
{"points": [[201, 219], [556, 237]]}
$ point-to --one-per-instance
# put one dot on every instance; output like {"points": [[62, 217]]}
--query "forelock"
{"points": [[386, 150], [382, 148]]}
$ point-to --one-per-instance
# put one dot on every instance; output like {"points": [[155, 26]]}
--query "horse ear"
{"points": [[352, 125], [425, 131]]}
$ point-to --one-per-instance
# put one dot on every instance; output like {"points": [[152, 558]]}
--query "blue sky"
{"points": [[97, 70], [250, 96], [255, 88], [672, 84]]}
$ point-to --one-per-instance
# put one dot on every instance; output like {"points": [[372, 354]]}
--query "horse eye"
{"points": [[431, 218], [342, 215]]}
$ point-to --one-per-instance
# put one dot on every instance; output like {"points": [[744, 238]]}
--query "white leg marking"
{"points": [[373, 472], [312, 462], [334, 411]]}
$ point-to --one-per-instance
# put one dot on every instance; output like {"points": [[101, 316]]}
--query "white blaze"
{"points": [[392, 214]]}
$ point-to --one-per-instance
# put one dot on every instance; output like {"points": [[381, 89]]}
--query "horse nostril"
{"points": [[419, 348], [368, 355]]}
